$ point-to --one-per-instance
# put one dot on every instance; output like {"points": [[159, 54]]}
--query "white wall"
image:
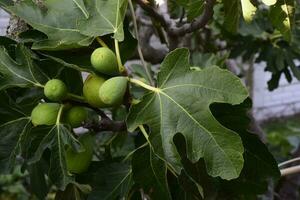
{"points": [[283, 101], [4, 19]]}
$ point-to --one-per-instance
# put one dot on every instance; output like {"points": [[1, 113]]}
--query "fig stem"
{"points": [[101, 42], [135, 26], [76, 97], [39, 85], [59, 114], [144, 85], [117, 50]]}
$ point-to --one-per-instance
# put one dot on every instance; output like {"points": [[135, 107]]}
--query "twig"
{"points": [[107, 125], [290, 170], [138, 45], [289, 161], [198, 23]]}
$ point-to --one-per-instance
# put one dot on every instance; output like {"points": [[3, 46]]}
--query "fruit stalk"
{"points": [[101, 42], [120, 65]]}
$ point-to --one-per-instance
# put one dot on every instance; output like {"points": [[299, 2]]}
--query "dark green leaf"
{"points": [[168, 111], [108, 180], [12, 134], [37, 180], [55, 140], [150, 173], [21, 72]]}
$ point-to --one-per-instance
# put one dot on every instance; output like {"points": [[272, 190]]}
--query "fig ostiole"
{"points": [[104, 61], [78, 162], [45, 114], [55, 90], [91, 88], [113, 90], [75, 116]]}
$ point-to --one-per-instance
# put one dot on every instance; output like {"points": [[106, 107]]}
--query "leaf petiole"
{"points": [[117, 49], [144, 85], [39, 85], [101, 42], [59, 114]]}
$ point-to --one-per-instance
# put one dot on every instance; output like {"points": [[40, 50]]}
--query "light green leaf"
{"points": [[248, 10], [269, 2], [56, 140], [57, 19], [106, 17], [21, 72], [282, 17], [81, 6], [168, 111]]}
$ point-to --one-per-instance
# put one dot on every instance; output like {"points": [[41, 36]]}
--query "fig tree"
{"points": [[75, 116], [55, 90], [113, 90], [91, 88], [78, 162], [45, 114], [104, 61]]}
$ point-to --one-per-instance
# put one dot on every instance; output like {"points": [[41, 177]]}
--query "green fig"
{"points": [[45, 114], [113, 90], [78, 162], [55, 90], [104, 61], [91, 90], [75, 116]]}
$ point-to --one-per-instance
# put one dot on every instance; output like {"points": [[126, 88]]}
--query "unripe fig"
{"points": [[91, 88], [113, 90], [55, 90], [78, 162], [104, 61], [75, 116], [45, 114]]}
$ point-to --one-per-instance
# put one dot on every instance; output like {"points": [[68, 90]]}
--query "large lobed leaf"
{"points": [[180, 104], [56, 18]]}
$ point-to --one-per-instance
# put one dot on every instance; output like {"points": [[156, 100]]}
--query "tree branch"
{"points": [[107, 125], [172, 30]]}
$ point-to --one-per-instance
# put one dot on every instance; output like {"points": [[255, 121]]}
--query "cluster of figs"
{"points": [[98, 90]]}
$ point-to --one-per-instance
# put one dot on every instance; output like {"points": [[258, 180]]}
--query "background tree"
{"points": [[176, 130]]}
